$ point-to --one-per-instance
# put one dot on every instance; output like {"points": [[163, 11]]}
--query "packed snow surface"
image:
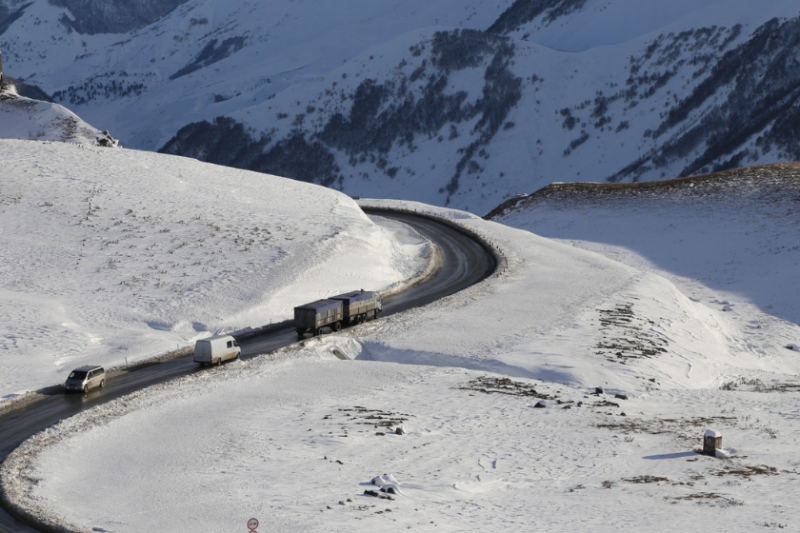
{"points": [[111, 255], [495, 391]]}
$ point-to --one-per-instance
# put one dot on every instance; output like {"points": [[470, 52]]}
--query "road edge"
{"points": [[16, 460]]}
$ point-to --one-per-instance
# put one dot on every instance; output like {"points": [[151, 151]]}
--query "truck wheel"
{"points": [[219, 361], [377, 314], [337, 326]]}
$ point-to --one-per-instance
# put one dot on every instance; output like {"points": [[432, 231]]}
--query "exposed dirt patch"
{"points": [[746, 471], [676, 426], [494, 385], [355, 419], [646, 479], [627, 336], [708, 498], [756, 385]]}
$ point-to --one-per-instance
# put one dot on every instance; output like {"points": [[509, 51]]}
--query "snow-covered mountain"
{"points": [[462, 103]]}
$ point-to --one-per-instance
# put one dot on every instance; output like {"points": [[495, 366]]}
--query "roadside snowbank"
{"points": [[111, 256]]}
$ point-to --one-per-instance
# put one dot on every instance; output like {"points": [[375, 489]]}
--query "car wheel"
{"points": [[102, 383], [85, 389], [219, 361]]}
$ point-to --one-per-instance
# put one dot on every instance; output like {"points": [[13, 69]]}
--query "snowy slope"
{"points": [[728, 240], [111, 256], [295, 439], [387, 99], [25, 118]]}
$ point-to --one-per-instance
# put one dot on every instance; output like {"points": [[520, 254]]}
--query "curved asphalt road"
{"points": [[466, 262]]}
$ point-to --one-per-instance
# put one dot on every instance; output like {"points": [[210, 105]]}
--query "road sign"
{"points": [[252, 524]]}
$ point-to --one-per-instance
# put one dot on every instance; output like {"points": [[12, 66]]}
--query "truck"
{"points": [[344, 309], [359, 305]]}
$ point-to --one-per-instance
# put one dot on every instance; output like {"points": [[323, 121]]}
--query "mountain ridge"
{"points": [[375, 109]]}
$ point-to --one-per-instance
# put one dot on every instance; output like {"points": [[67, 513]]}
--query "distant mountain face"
{"points": [[453, 102], [113, 16]]}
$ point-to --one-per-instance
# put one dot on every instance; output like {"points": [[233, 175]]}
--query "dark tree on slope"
{"points": [[211, 54], [760, 81], [382, 115], [523, 11], [114, 16], [225, 142]]}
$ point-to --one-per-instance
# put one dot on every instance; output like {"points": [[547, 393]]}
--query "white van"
{"points": [[215, 350]]}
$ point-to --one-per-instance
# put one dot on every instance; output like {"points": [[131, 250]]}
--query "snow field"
{"points": [[728, 244], [543, 319], [295, 443], [289, 438], [112, 256]]}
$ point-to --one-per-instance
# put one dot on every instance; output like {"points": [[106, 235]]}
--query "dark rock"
{"points": [[621, 396]]}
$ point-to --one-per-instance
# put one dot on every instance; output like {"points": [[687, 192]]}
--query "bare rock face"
{"points": [[105, 139]]}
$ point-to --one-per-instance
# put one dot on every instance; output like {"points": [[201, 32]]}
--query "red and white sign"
{"points": [[252, 524]]}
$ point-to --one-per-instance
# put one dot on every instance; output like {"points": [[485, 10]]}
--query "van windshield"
{"points": [[77, 374]]}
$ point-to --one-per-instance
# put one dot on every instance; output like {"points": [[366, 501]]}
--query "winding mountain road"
{"points": [[466, 262]]}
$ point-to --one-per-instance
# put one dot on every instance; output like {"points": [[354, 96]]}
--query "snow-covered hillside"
{"points": [[25, 118], [111, 256], [727, 240], [494, 390], [452, 102]]}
